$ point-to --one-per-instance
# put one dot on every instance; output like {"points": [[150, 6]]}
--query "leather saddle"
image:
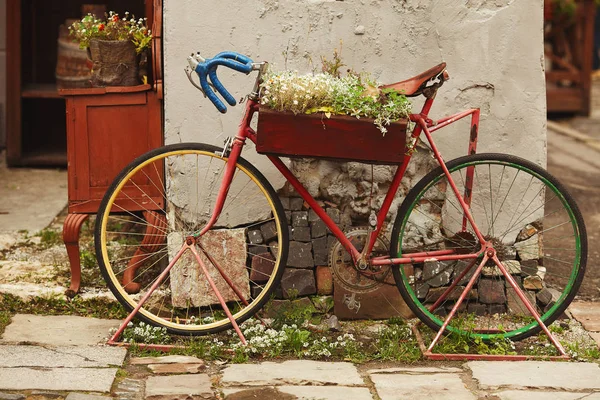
{"points": [[423, 83]]}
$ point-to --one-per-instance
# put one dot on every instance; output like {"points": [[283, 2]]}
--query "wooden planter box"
{"points": [[339, 137]]}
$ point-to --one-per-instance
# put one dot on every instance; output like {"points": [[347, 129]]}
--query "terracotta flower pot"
{"points": [[114, 63]]}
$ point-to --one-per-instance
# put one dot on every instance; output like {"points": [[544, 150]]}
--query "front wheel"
{"points": [[533, 224], [167, 196]]}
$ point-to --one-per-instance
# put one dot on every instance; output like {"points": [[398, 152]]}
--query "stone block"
{"points": [[299, 218], [515, 305], [491, 291], [437, 273], [509, 253], [491, 271], [176, 368], [421, 290], [460, 267], [58, 379], [300, 255], [324, 280], [296, 203], [285, 202], [298, 282], [318, 229], [320, 251], [312, 216], [255, 250], [255, 237], [435, 293], [269, 231], [301, 233], [274, 248], [517, 279], [512, 266], [331, 240], [530, 249], [292, 372], [530, 267], [190, 387], [262, 267], [288, 216], [477, 309], [526, 233], [58, 330], [533, 283], [188, 283], [497, 309], [334, 214], [382, 303], [172, 359]]}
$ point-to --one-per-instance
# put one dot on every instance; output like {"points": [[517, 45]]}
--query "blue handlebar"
{"points": [[208, 69]]}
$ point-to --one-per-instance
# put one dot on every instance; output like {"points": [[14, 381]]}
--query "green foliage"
{"points": [[59, 305], [141, 332], [289, 313], [357, 95], [395, 342], [49, 237], [113, 28], [5, 318]]}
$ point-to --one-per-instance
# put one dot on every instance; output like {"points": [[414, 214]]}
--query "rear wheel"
{"points": [[168, 195], [531, 220]]}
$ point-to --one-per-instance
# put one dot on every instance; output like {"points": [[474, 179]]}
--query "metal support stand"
{"points": [[428, 351], [190, 244]]}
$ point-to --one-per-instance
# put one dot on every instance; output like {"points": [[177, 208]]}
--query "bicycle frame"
{"points": [[423, 124]]}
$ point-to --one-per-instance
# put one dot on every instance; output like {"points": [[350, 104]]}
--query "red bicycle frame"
{"points": [[422, 125]]}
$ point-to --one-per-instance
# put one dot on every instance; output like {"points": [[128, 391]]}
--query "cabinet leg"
{"points": [[151, 243], [71, 230]]}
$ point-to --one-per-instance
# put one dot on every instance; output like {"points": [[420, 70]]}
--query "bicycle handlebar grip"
{"points": [[208, 69], [235, 56], [212, 74]]}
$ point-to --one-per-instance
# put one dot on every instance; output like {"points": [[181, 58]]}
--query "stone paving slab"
{"points": [[536, 374], [531, 395], [316, 392], [588, 313], [294, 372], [176, 368], [415, 370], [64, 356], [58, 330], [426, 386], [59, 379], [187, 385], [596, 337], [165, 360], [84, 396]]}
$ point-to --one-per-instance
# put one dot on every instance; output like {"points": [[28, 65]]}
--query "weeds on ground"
{"points": [[60, 305]]}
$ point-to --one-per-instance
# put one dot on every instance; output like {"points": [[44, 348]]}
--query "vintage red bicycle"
{"points": [[177, 243]]}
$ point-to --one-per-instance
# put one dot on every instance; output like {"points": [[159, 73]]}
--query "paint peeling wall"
{"points": [[493, 49]]}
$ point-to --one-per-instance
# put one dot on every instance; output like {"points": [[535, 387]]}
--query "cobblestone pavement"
{"points": [[37, 363]]}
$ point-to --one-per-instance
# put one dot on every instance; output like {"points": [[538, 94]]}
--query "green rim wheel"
{"points": [[525, 213]]}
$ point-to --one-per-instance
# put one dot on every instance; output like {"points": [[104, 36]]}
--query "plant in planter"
{"points": [[356, 95], [115, 47]]}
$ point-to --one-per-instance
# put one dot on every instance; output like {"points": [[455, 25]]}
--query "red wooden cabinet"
{"points": [[106, 129]]}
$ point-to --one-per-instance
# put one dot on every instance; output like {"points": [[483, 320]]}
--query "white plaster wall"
{"points": [[493, 49]]}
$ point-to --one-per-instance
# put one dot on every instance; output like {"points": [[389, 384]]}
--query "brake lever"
{"points": [[190, 73]]}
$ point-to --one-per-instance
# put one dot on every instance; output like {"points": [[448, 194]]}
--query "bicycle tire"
{"points": [[559, 216], [149, 210]]}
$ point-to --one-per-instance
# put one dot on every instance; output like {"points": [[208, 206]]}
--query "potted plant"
{"points": [[326, 114], [115, 47]]}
